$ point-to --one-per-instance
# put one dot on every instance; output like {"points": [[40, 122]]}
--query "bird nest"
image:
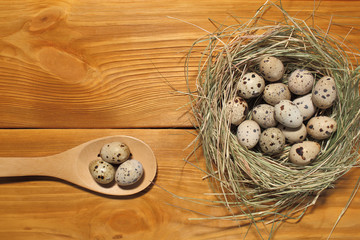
{"points": [[254, 185]]}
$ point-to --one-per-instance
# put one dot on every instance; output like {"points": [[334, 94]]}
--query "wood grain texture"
{"points": [[101, 64], [44, 208], [102, 68]]}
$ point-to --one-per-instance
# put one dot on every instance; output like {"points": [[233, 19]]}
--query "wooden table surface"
{"points": [[72, 71]]}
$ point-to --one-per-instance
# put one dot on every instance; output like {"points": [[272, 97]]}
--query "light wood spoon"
{"points": [[73, 165]]}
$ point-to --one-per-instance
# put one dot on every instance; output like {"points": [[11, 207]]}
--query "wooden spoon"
{"points": [[73, 165]]}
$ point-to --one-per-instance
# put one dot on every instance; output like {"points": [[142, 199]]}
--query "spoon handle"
{"points": [[54, 166], [14, 166]]}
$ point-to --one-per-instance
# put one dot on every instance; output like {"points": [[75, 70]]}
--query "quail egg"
{"points": [[237, 110], [324, 93], [275, 92], [300, 82], [264, 115], [271, 68], [288, 114], [250, 85], [129, 172], [321, 127], [304, 153], [294, 135], [102, 172], [115, 152], [272, 141], [306, 106], [248, 133]]}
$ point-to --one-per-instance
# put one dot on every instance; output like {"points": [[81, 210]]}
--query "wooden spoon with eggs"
{"points": [[73, 165]]}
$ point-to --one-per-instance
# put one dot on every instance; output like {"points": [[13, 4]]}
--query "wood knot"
{"points": [[117, 236], [128, 221], [46, 19], [66, 66]]}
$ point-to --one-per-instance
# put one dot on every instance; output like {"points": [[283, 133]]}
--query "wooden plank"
{"points": [[96, 64], [43, 208]]}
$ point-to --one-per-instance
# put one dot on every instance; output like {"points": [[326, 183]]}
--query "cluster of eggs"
{"points": [[116, 154], [286, 109]]}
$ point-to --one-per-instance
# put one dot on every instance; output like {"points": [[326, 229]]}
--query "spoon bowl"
{"points": [[73, 165]]}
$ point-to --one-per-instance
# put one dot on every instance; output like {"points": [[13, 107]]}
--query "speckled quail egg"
{"points": [[300, 81], [288, 114], [236, 110], [293, 135], [101, 171], [271, 68], [248, 133], [250, 85], [129, 172], [115, 152], [264, 115], [306, 106], [272, 141], [324, 92], [275, 92], [321, 127], [304, 153]]}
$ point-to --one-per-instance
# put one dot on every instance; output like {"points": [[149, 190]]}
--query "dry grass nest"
{"points": [[251, 184]]}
